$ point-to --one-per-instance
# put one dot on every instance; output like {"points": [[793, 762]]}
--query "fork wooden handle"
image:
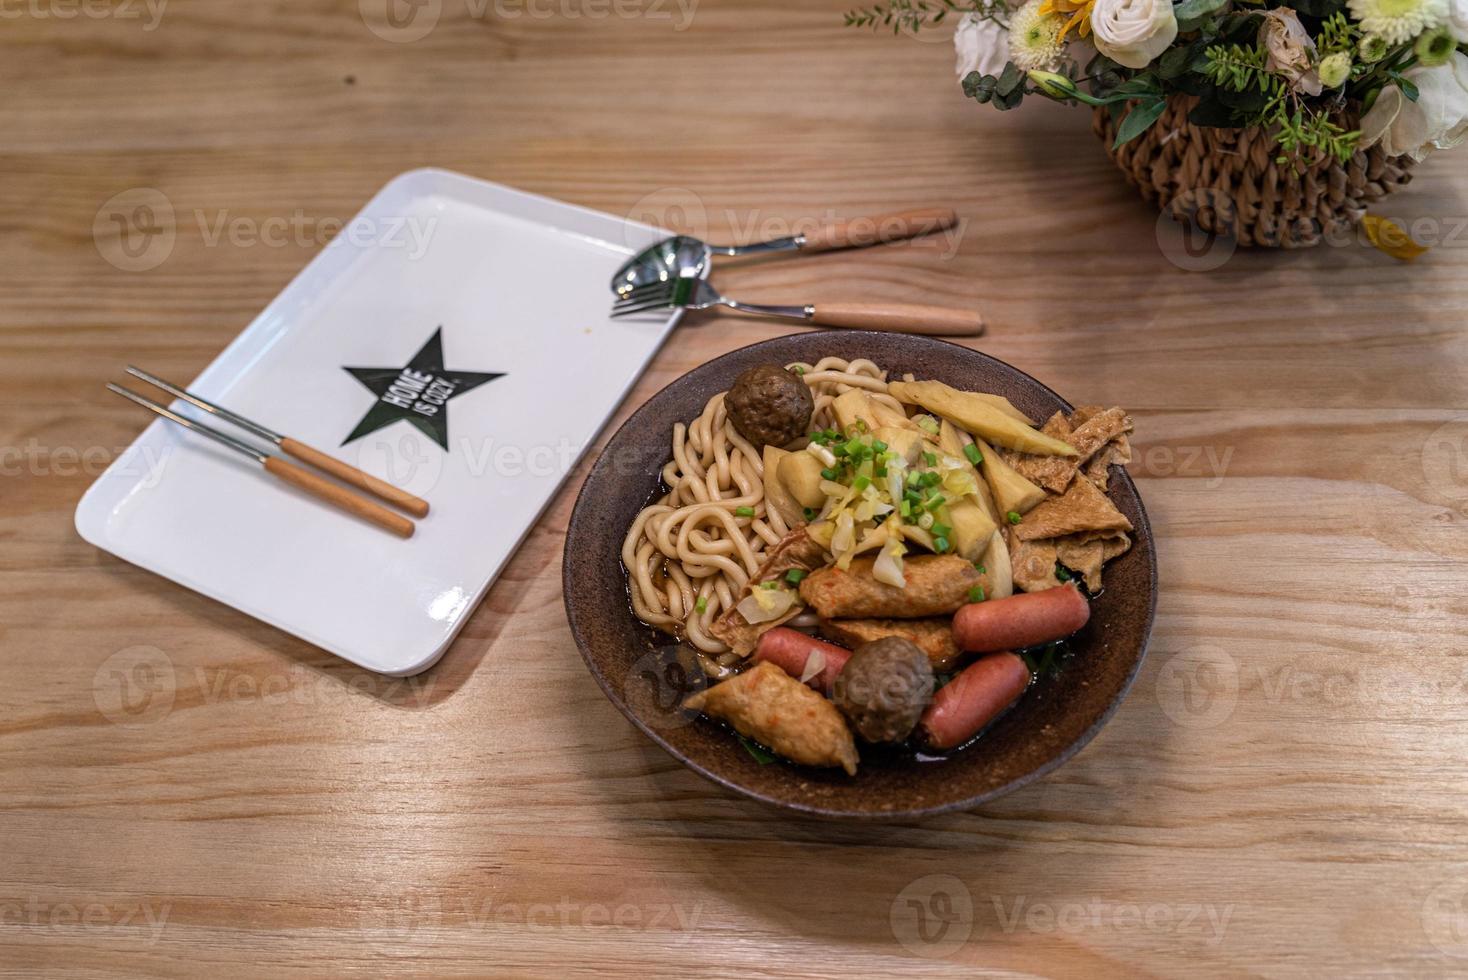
{"points": [[943, 321], [879, 229], [381, 489], [339, 496]]}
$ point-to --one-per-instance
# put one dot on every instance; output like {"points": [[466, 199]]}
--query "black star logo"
{"points": [[417, 393]]}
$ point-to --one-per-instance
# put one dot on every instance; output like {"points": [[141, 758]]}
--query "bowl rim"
{"points": [[1142, 538]]}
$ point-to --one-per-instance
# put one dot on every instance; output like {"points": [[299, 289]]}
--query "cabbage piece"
{"points": [[814, 664], [887, 569], [765, 605], [844, 538]]}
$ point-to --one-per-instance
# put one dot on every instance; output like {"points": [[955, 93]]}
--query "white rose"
{"points": [[1436, 121], [982, 45], [1290, 49], [1133, 32], [1458, 20]]}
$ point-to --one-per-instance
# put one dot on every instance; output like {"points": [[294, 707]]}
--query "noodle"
{"points": [[689, 545]]}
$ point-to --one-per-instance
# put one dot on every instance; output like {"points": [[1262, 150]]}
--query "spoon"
{"points": [[686, 257]]}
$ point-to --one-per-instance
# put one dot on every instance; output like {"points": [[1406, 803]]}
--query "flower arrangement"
{"points": [[1303, 73]]}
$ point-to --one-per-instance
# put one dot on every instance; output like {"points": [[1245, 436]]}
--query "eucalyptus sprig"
{"points": [[909, 15]]}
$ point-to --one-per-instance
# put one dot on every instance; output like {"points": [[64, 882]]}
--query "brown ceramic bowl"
{"points": [[633, 664]]}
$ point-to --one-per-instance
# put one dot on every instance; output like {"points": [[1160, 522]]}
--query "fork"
{"points": [[699, 294]]}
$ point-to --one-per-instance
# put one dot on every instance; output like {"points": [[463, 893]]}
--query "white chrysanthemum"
{"points": [[1034, 38], [1399, 21]]}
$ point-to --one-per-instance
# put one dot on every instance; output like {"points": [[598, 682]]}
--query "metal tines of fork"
{"points": [[693, 293], [295, 475]]}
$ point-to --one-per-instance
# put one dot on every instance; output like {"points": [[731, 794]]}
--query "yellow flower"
{"points": [[1080, 15]]}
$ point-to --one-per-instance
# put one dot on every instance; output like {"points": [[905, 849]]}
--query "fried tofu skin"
{"points": [[768, 705], [936, 585], [1099, 437], [1081, 508], [795, 550]]}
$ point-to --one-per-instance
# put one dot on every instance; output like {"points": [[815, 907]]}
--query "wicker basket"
{"points": [[1226, 181]]}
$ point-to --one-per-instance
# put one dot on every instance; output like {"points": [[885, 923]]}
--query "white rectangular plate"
{"points": [[514, 285]]}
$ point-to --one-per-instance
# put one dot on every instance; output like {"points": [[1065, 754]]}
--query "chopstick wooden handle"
{"points": [[381, 489], [942, 321], [339, 496], [878, 230]]}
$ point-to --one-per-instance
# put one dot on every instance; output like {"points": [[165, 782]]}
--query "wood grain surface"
{"points": [[186, 792]]}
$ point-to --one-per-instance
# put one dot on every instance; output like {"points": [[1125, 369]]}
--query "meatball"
{"points": [[884, 688], [769, 406]]}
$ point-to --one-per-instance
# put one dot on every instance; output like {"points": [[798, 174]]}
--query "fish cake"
{"points": [[768, 705], [933, 636], [936, 585]]}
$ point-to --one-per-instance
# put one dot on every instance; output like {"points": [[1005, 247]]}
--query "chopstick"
{"points": [[286, 472], [380, 489]]}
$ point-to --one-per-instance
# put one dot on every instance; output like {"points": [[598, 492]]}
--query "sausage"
{"points": [[964, 705], [790, 649], [1020, 621]]}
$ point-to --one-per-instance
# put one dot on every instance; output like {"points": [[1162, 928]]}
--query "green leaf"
{"points": [[1010, 80], [1318, 8], [980, 87], [1141, 85], [1138, 121], [1190, 11], [1178, 61], [760, 755], [1251, 100], [1211, 112]]}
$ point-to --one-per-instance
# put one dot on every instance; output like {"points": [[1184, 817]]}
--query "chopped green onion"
{"points": [[1014, 517], [799, 371], [941, 530], [880, 472], [795, 575], [929, 479], [861, 483], [879, 445], [702, 605], [759, 754], [743, 511], [769, 585], [861, 425], [976, 594], [980, 568], [934, 501], [927, 423], [940, 544], [925, 521], [905, 508], [838, 450], [809, 513], [830, 474], [1061, 573], [914, 478], [930, 459], [973, 453]]}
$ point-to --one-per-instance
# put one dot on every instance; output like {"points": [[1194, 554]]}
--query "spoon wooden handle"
{"points": [[381, 489], [944, 321], [879, 229], [339, 496]]}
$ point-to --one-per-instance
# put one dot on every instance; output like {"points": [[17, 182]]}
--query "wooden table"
{"points": [[1283, 794]]}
